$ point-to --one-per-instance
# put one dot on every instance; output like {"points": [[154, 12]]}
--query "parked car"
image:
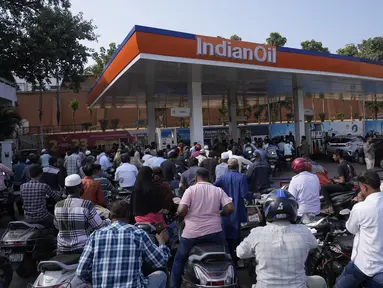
{"points": [[352, 145]]}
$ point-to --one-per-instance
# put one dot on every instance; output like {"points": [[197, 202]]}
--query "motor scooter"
{"points": [[25, 244]]}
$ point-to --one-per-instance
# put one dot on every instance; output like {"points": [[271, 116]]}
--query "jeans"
{"points": [[370, 163], [157, 280], [328, 189], [47, 222], [186, 244], [316, 282], [352, 277], [232, 245]]}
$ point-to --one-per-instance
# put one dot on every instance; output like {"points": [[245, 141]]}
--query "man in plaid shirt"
{"points": [[34, 197], [72, 164], [75, 218], [114, 254]]}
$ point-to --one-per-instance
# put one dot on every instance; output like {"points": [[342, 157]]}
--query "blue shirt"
{"points": [[18, 170], [114, 254], [157, 162], [45, 160], [235, 186]]}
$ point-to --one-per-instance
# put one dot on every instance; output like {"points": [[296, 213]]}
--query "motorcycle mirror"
{"points": [[345, 211], [176, 200]]}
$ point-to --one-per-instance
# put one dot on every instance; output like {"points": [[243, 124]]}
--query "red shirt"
{"points": [[93, 191]]}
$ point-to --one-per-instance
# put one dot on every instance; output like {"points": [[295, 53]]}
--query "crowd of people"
{"points": [[213, 183]]}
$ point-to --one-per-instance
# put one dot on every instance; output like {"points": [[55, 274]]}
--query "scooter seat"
{"points": [[67, 259], [199, 252]]}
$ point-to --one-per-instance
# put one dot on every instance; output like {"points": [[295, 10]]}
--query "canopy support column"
{"points": [[232, 103], [299, 114], [150, 102], [195, 104]]}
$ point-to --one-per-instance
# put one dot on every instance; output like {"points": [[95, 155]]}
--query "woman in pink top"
{"points": [[146, 199]]}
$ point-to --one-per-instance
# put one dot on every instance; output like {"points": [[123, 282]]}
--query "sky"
{"points": [[333, 22]]}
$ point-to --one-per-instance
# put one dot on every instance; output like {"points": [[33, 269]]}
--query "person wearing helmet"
{"points": [[75, 218], [305, 187], [281, 248], [343, 183]]}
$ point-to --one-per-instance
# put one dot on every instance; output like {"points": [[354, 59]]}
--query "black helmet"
{"points": [[280, 205], [125, 158], [33, 158]]}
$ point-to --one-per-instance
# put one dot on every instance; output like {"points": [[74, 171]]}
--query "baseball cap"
{"points": [[44, 150], [225, 155], [72, 180], [206, 147], [87, 152]]}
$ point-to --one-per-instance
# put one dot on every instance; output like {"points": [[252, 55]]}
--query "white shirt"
{"points": [[241, 160], [146, 157], [104, 162], [305, 187], [288, 149], [126, 175], [281, 250], [366, 222]]}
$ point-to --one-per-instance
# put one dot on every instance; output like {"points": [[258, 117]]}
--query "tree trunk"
{"points": [[73, 120], [58, 114], [208, 110], [41, 115], [323, 105], [313, 106], [352, 117]]}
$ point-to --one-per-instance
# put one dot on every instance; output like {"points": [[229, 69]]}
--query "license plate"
{"points": [[254, 218], [16, 257]]}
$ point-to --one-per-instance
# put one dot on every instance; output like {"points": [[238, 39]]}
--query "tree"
{"points": [[9, 121], [372, 49], [314, 46], [235, 37], [101, 58], [374, 106], [74, 105], [14, 18], [349, 50], [276, 39]]}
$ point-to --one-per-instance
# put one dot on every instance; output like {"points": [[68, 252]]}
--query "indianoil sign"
{"points": [[236, 50]]}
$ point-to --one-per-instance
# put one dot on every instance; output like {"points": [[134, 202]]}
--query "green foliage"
{"points": [[374, 107], [372, 49], [9, 121], [101, 59], [322, 116], [314, 46], [276, 39], [349, 50], [235, 37], [74, 104], [340, 116]]}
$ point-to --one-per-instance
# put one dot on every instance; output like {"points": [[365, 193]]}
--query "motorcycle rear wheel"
{"points": [[6, 272], [28, 267]]}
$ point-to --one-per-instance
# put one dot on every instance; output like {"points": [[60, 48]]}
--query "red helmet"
{"points": [[299, 165], [197, 147]]}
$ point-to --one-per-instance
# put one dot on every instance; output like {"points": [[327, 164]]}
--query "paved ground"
{"points": [[244, 278]]}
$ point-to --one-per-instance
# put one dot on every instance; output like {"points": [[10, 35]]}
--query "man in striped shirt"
{"points": [[106, 186], [75, 218]]}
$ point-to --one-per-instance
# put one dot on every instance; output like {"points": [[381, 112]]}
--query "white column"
{"points": [[150, 102], [232, 103], [299, 114], [195, 104]]}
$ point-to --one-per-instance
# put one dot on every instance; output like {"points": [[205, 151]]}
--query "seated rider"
{"points": [[258, 174], [344, 183], [34, 195], [200, 205], [114, 254], [281, 248], [75, 218], [305, 188]]}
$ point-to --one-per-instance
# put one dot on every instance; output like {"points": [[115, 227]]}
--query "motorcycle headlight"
{"points": [[203, 278], [229, 275]]}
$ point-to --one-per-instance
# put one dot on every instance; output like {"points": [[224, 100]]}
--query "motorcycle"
{"points": [[124, 194], [25, 244], [333, 252], [273, 159], [59, 271]]}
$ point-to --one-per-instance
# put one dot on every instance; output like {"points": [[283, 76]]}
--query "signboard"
{"points": [[241, 118], [224, 119], [180, 112], [309, 112]]}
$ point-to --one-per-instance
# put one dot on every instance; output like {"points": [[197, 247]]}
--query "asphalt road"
{"points": [[245, 280]]}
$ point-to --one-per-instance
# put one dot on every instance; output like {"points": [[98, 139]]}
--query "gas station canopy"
{"points": [[151, 62]]}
